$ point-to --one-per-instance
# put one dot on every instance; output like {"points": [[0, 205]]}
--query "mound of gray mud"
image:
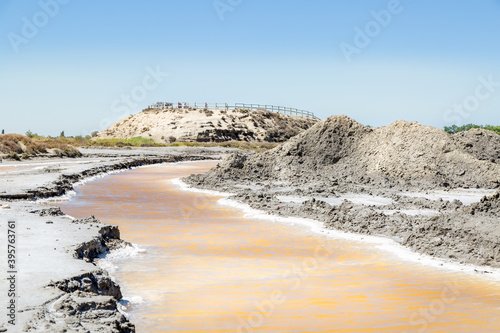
{"points": [[340, 150]]}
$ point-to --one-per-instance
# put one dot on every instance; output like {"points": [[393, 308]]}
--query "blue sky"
{"points": [[431, 61]]}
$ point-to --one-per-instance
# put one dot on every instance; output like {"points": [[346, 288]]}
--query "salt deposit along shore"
{"points": [[54, 285]]}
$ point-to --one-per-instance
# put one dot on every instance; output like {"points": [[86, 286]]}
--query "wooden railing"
{"points": [[236, 106]]}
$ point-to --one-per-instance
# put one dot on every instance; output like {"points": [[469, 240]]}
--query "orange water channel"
{"points": [[210, 269]]}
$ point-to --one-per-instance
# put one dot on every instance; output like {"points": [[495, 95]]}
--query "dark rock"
{"points": [[54, 211], [97, 282]]}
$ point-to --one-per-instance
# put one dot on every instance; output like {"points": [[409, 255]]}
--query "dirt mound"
{"points": [[305, 175], [481, 143], [339, 150], [488, 205], [414, 153], [203, 125]]}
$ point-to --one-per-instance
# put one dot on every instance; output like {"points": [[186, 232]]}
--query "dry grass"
{"points": [[17, 146], [133, 142]]}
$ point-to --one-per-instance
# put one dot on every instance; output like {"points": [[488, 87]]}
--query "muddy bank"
{"points": [[416, 184], [89, 301], [58, 286], [444, 229]]}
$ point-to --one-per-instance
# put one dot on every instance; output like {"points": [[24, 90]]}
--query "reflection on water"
{"points": [[209, 269]]}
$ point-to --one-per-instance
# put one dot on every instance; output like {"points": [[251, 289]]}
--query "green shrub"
{"points": [[455, 129], [67, 152], [133, 142]]}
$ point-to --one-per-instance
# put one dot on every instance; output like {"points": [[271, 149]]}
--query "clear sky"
{"points": [[77, 65]]}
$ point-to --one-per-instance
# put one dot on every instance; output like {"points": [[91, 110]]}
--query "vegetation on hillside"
{"points": [[17, 146], [243, 145], [455, 129], [142, 142]]}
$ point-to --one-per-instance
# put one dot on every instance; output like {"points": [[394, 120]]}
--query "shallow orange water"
{"points": [[209, 269]]}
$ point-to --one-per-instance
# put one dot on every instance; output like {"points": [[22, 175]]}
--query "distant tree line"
{"points": [[455, 129]]}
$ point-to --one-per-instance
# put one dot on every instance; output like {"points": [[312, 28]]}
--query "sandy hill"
{"points": [[340, 150], [187, 125]]}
